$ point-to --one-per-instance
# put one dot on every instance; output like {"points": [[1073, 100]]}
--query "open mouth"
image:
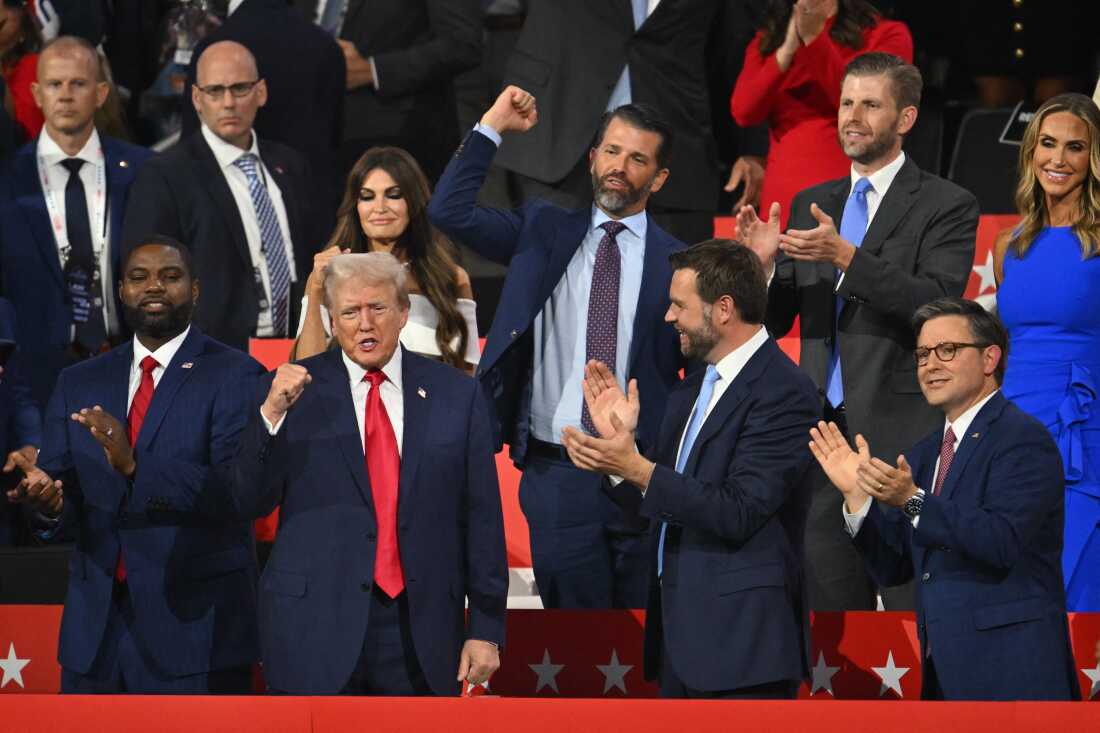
{"points": [[154, 306], [1055, 177], [367, 345]]}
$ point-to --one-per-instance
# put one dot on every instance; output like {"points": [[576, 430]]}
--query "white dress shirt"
{"points": [[962, 423], [163, 355], [226, 154], [57, 177], [392, 398]]}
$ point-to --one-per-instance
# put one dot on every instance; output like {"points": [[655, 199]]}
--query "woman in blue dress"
{"points": [[1049, 299]]}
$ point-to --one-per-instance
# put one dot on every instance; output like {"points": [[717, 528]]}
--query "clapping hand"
{"points": [[762, 237], [821, 244], [111, 434], [840, 463], [605, 400], [36, 488]]}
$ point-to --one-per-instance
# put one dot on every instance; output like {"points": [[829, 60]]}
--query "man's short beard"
{"points": [[169, 324], [701, 342], [616, 202], [874, 150]]}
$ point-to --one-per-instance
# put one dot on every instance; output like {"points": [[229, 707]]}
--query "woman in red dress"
{"points": [[791, 80], [19, 44]]}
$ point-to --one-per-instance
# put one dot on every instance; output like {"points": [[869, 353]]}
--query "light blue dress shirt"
{"points": [[562, 324], [621, 95]]}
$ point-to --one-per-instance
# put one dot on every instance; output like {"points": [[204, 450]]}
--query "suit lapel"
{"points": [[901, 196], [654, 290], [117, 387], [969, 443], [679, 411], [32, 203], [731, 398], [354, 6], [120, 174], [345, 422], [419, 398], [174, 377], [218, 189], [570, 237]]}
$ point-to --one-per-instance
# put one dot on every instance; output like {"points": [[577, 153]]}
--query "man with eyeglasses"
{"points": [[242, 203], [973, 513]]}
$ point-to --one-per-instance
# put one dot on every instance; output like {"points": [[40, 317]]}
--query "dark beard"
{"points": [[874, 150], [700, 342], [166, 325], [614, 202]]}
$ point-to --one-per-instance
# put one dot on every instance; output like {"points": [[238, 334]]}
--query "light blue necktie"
{"points": [[853, 225], [692, 432], [620, 95], [271, 241]]}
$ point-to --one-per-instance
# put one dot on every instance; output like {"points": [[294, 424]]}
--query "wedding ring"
{"points": [[110, 432], [880, 485]]}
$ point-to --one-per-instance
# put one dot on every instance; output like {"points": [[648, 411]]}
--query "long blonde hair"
{"points": [[1030, 198]]}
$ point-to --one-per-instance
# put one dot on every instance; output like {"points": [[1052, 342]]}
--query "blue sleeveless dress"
{"points": [[1050, 303]]}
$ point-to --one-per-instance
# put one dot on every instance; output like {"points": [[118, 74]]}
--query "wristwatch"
{"points": [[914, 504]]}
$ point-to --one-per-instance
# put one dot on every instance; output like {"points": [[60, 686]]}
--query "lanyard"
{"points": [[98, 224]]}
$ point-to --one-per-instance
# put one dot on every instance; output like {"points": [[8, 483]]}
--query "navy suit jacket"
{"points": [[537, 242], [987, 553], [315, 592], [190, 561], [20, 425], [731, 607], [30, 269]]}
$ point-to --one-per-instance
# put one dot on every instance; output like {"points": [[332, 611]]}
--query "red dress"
{"points": [[800, 107], [19, 78]]}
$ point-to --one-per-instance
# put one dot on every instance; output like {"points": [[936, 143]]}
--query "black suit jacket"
{"points": [[731, 608], [918, 247], [183, 193], [419, 46], [570, 55], [304, 70]]}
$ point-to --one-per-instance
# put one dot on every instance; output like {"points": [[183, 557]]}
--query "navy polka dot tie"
{"points": [[602, 334]]}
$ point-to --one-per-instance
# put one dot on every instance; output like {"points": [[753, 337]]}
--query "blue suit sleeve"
{"points": [[258, 474], [486, 556], [492, 233], [883, 540], [56, 460]]}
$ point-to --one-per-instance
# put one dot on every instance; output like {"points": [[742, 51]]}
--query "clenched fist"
{"points": [[514, 110], [289, 383]]}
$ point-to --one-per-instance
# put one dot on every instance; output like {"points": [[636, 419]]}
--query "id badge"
{"points": [[79, 286]]}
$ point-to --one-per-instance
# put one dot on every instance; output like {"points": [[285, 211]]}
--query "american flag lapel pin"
{"points": [[187, 365], [422, 392], [123, 164], [279, 170], [975, 435]]}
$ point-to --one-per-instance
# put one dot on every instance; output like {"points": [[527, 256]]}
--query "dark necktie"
{"points": [[602, 333], [90, 333], [947, 455], [384, 469], [138, 408]]}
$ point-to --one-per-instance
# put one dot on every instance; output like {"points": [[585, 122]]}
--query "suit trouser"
{"points": [[388, 665], [673, 687], [123, 666], [836, 575], [587, 551]]}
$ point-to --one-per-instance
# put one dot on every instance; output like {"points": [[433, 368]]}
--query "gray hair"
{"points": [[373, 268]]}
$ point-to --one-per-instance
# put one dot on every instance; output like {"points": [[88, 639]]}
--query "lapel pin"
{"points": [[123, 164], [422, 392], [279, 170], [187, 365], [975, 435]]}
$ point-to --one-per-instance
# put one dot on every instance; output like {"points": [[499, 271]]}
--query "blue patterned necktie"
{"points": [[853, 225], [601, 339], [694, 425], [271, 242]]}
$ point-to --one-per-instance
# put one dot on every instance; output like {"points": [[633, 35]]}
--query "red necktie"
{"points": [[384, 468], [138, 408], [947, 455]]}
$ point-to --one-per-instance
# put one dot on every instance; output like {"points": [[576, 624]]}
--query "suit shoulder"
{"points": [[783, 372], [282, 153], [816, 193], [445, 376], [124, 149], [229, 357], [946, 190], [1018, 424]]}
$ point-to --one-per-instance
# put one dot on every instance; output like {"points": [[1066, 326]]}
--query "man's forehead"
{"points": [[944, 328], [866, 86], [624, 134]]}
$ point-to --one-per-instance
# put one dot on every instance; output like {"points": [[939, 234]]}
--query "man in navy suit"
{"points": [[581, 285], [974, 513], [20, 424], [162, 581], [62, 198], [725, 487], [381, 539]]}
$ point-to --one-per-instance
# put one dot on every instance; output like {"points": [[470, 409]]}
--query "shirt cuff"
{"points": [[839, 280], [853, 522], [272, 429], [771, 274], [373, 73], [489, 133]]}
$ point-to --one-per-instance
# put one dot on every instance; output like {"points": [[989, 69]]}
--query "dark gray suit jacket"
{"points": [[918, 247]]}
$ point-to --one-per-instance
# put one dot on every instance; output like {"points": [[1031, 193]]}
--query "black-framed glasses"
{"points": [[945, 351], [238, 90]]}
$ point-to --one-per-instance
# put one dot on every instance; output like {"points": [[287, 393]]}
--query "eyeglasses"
{"points": [[945, 351], [238, 90]]}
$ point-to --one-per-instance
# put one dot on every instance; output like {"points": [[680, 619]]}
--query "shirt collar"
{"points": [[52, 153], [636, 223], [882, 179], [392, 369], [962, 422], [165, 353], [730, 365], [225, 153], [233, 6]]}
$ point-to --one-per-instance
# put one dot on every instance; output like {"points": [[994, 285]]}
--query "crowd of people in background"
{"points": [[340, 173]]}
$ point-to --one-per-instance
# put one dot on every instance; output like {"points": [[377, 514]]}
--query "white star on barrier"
{"points": [[1092, 674], [13, 668], [987, 274], [890, 676], [547, 672], [614, 673], [823, 676]]}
